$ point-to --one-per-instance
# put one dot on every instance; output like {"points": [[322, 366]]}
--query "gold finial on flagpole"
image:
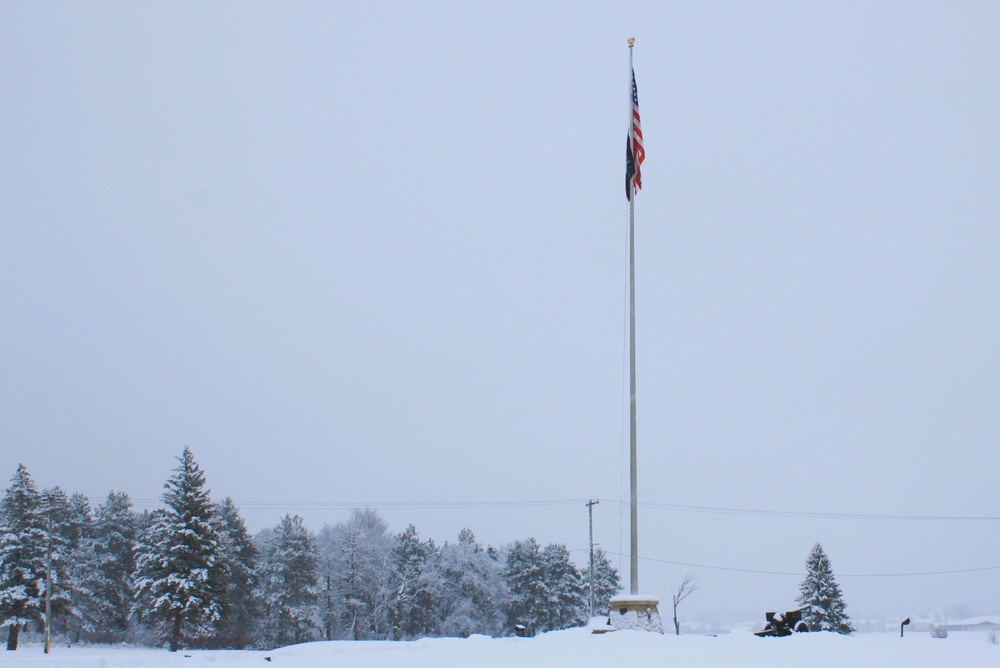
{"points": [[631, 41]]}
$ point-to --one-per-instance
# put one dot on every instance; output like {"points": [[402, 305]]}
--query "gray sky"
{"points": [[375, 253]]}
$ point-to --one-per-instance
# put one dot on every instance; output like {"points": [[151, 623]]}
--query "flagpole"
{"points": [[635, 611], [633, 468]]}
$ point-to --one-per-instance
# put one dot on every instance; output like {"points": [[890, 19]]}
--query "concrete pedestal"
{"points": [[637, 612]]}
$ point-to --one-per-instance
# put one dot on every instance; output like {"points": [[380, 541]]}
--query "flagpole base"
{"points": [[636, 612]]}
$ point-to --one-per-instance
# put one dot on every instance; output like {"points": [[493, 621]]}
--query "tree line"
{"points": [[191, 575]]}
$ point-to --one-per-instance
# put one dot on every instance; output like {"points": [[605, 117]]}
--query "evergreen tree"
{"points": [[72, 517], [565, 606], [524, 573], [145, 530], [546, 588], [607, 583], [821, 596], [290, 584], [239, 600], [23, 541], [109, 569], [411, 601], [71, 523], [180, 573]]}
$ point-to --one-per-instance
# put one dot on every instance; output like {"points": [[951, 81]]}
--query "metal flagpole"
{"points": [[634, 563], [635, 611]]}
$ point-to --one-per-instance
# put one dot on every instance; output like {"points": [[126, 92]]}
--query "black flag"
{"points": [[629, 168]]}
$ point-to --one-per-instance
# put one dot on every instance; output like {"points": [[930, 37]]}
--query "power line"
{"points": [[443, 505], [841, 575], [807, 514], [438, 505], [904, 575], [380, 505], [414, 505]]}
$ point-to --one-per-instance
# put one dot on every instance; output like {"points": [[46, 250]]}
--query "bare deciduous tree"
{"points": [[688, 585]]}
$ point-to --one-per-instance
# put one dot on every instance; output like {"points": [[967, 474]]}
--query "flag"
{"points": [[629, 168], [635, 154]]}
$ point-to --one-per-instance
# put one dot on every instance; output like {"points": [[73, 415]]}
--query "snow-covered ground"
{"points": [[576, 648]]}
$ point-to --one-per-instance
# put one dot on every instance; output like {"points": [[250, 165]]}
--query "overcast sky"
{"points": [[374, 253]]}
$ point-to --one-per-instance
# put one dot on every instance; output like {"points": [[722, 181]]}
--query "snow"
{"points": [[638, 621], [636, 598], [635, 612], [575, 647]]}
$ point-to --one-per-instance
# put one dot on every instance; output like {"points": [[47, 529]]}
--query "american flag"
{"points": [[635, 154]]}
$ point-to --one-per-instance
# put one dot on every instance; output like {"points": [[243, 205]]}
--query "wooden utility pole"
{"points": [[590, 512], [48, 582]]}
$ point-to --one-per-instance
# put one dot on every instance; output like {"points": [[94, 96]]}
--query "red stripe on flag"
{"points": [[638, 152]]}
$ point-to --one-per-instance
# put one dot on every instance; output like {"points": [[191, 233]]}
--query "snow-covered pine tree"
{"points": [[546, 588], [140, 617], [607, 582], [109, 567], [566, 606], [180, 575], [240, 609], [289, 584], [412, 605], [821, 596], [72, 522], [23, 540], [468, 586], [524, 573]]}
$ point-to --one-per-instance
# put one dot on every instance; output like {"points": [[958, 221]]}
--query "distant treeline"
{"points": [[191, 575]]}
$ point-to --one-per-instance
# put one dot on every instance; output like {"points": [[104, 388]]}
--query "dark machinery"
{"points": [[781, 625]]}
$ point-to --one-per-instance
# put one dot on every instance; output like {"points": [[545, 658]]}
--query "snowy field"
{"points": [[576, 648]]}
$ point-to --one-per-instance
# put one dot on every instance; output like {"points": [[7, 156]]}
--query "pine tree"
{"points": [[180, 573], [821, 596], [72, 523], [411, 601], [290, 584], [524, 573], [23, 540], [109, 569], [607, 582], [565, 606], [546, 588], [240, 608]]}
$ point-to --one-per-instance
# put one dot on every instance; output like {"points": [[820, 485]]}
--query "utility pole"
{"points": [[590, 512], [48, 581]]}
